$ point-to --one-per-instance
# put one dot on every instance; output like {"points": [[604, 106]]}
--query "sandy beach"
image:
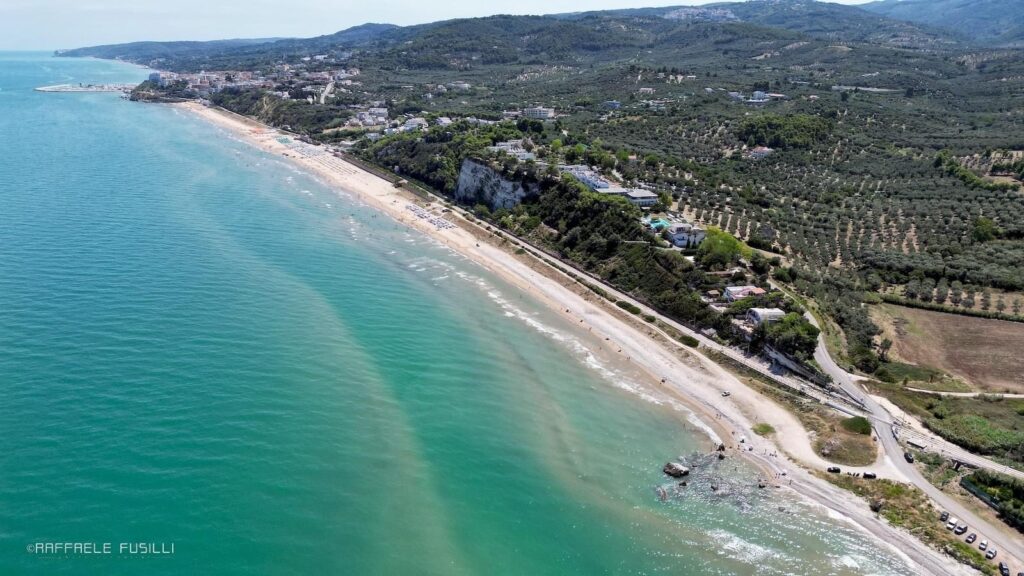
{"points": [[785, 460]]}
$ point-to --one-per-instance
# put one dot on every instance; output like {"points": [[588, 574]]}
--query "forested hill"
{"points": [[823, 20], [218, 54], [151, 50], [592, 37], [999, 22]]}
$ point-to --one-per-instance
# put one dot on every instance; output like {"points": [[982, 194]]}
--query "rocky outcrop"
{"points": [[676, 470], [481, 184]]}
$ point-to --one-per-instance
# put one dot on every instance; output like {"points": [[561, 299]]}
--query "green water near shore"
{"points": [[200, 345]]}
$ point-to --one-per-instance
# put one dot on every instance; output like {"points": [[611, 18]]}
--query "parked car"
{"points": [[960, 529], [991, 553], [833, 470], [971, 538], [869, 475], [952, 523], [982, 545], [944, 516], [909, 457], [1004, 569]]}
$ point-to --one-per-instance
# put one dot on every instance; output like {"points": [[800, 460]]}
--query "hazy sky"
{"points": [[51, 24]]}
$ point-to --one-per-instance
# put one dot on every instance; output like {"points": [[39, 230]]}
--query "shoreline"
{"points": [[685, 375]]}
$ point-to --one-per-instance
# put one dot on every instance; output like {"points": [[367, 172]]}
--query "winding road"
{"points": [[1001, 537]]}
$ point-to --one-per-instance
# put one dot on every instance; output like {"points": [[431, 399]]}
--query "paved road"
{"points": [[1000, 537]]}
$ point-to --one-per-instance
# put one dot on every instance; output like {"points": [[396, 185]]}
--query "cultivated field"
{"points": [[988, 354]]}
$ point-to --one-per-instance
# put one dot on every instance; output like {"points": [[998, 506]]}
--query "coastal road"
{"points": [[882, 417], [1001, 537]]}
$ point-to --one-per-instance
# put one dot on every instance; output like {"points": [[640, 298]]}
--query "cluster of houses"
{"points": [[207, 82], [754, 317], [376, 115], [378, 120]]}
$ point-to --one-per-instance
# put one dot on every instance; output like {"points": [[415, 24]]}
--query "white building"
{"points": [[513, 148], [734, 293], [539, 113], [415, 124], [584, 174], [758, 316], [759, 153], [685, 235], [642, 198]]}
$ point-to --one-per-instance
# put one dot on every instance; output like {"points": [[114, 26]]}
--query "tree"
{"points": [[720, 249], [984, 230], [792, 335], [884, 348]]}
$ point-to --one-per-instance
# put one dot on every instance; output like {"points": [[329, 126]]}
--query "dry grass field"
{"points": [[988, 354]]}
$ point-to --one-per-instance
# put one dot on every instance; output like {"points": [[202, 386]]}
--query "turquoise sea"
{"points": [[202, 347]]}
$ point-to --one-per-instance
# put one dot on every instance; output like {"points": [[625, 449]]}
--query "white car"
{"points": [[983, 544]]}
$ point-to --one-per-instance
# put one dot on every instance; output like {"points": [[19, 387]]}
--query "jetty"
{"points": [[87, 88]]}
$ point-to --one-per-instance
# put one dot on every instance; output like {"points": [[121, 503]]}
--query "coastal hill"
{"points": [[997, 22], [214, 54]]}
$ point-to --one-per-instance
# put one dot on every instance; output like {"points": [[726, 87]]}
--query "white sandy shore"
{"points": [[690, 377]]}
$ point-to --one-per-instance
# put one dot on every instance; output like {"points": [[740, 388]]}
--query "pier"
{"points": [[87, 88]]}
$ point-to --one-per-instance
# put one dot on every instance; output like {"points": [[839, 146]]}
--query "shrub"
{"points": [[689, 340], [857, 425], [628, 306]]}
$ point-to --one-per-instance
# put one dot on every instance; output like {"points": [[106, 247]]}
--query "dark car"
{"points": [[833, 470], [869, 475], [1004, 569], [960, 529], [944, 516], [971, 538], [909, 457]]}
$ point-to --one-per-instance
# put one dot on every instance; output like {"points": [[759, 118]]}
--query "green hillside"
{"points": [[998, 22]]}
